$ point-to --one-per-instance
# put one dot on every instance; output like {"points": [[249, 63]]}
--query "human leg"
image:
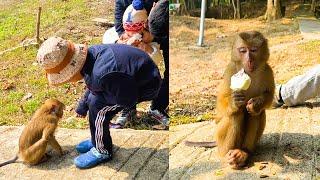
{"points": [[100, 114], [301, 88]]}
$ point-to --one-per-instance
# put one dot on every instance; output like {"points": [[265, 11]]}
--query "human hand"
{"points": [[80, 116], [123, 38]]}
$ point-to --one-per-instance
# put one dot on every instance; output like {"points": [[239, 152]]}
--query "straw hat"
{"points": [[61, 59], [134, 20]]}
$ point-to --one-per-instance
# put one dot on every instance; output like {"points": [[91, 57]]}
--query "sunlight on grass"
{"points": [[18, 21], [19, 66]]}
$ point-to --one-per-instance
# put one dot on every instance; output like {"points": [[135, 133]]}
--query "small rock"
{"points": [[69, 108], [199, 118], [70, 119], [26, 97]]}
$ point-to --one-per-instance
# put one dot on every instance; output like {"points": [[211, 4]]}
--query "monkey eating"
{"points": [[241, 113], [39, 133]]}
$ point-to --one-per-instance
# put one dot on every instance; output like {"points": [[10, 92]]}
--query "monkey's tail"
{"points": [[210, 144], [10, 161]]}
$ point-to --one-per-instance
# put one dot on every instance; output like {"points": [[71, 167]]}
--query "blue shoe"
{"points": [[91, 159], [84, 146]]}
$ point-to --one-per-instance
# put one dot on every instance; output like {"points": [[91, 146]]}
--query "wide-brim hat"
{"points": [[61, 59]]}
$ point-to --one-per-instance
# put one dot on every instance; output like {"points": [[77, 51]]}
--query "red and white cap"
{"points": [[134, 20]]}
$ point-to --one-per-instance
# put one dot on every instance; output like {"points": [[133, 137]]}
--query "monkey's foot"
{"points": [[237, 158]]}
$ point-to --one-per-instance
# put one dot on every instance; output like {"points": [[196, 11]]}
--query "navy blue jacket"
{"points": [[123, 74], [121, 6]]}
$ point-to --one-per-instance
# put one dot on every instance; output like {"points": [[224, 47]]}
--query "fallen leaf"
{"points": [[263, 176], [69, 108], [8, 86], [219, 172], [22, 109], [262, 167]]}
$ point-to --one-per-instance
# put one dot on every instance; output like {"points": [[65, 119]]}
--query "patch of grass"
{"points": [[312, 46], [181, 119], [19, 67], [18, 21]]}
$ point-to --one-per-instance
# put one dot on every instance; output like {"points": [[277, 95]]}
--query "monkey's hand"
{"points": [[254, 106], [238, 99]]}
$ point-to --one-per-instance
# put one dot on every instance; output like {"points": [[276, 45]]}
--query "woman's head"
{"points": [[62, 60]]}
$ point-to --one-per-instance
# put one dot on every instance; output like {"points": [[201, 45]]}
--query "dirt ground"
{"points": [[196, 72]]}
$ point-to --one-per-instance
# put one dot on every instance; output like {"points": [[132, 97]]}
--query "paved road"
{"points": [[138, 154], [309, 28], [289, 149]]}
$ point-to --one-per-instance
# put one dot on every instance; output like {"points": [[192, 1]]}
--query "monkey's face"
{"points": [[60, 109], [248, 56], [251, 50], [56, 107]]}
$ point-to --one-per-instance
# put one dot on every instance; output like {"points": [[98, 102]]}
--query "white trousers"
{"points": [[301, 88]]}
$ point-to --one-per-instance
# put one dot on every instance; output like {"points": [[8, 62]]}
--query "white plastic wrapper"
{"points": [[134, 38], [240, 81]]}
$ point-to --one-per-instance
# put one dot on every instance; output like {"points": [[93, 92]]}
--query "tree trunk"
{"points": [[234, 10], [238, 9], [273, 10], [183, 10], [313, 5]]}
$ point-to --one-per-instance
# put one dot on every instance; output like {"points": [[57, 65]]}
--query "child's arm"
{"points": [[83, 107]]}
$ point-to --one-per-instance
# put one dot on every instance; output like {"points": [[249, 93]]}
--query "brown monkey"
{"points": [[38, 133], [241, 114]]}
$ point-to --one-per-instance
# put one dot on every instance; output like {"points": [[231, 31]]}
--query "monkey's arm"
{"points": [[257, 104], [55, 145], [83, 108], [229, 102]]}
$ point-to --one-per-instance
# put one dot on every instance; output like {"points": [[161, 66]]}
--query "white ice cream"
{"points": [[240, 81]]}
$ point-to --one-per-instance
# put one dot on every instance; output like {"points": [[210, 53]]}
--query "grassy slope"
{"points": [[69, 19], [18, 67]]}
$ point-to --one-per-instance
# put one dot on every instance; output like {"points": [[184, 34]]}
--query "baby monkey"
{"points": [[38, 133]]}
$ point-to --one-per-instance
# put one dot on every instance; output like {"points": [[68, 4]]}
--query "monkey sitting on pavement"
{"points": [[39, 133], [241, 113]]}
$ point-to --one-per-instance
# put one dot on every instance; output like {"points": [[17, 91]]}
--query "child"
{"points": [[117, 76], [135, 34]]}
